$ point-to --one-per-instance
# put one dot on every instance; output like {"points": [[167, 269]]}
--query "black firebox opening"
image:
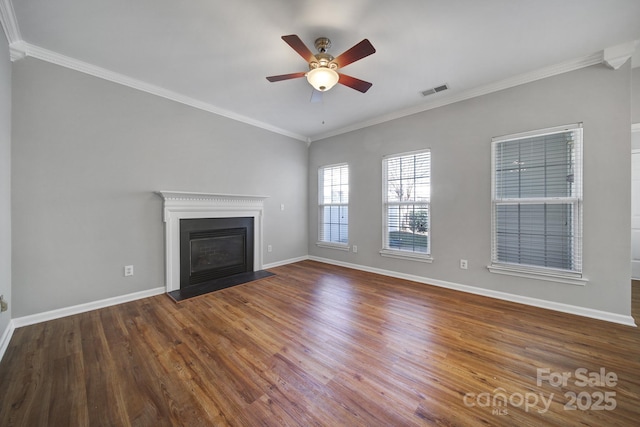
{"points": [[213, 248]]}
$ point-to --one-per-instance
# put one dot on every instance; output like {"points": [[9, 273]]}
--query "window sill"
{"points": [[539, 274], [412, 256], [331, 245]]}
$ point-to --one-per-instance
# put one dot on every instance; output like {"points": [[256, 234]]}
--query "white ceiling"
{"points": [[218, 53]]}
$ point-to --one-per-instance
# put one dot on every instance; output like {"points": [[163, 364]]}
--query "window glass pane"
{"points": [[407, 193], [535, 167], [537, 235], [334, 195], [531, 231], [410, 228]]}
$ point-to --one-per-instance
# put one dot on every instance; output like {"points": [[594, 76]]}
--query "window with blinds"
{"points": [[537, 200], [406, 198], [333, 192]]}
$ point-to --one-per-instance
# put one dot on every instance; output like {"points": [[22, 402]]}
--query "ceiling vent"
{"points": [[435, 90]]}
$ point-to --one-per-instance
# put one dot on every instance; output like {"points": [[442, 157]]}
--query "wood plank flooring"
{"points": [[319, 345]]}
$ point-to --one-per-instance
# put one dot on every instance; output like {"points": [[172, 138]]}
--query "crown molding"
{"points": [[17, 51], [23, 49], [518, 80], [9, 22], [615, 56]]}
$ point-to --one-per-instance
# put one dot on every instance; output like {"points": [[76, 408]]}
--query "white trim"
{"points": [[9, 21], [406, 153], [543, 73], [6, 338], [614, 57], [538, 132], [331, 245], [541, 272], [16, 51], [411, 256], [22, 49], [19, 49], [534, 302], [635, 127], [546, 274], [386, 250], [213, 197], [284, 262], [322, 204], [184, 204], [82, 308]]}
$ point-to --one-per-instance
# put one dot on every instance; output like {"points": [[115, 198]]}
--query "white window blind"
{"points": [[333, 191], [537, 200], [407, 193]]}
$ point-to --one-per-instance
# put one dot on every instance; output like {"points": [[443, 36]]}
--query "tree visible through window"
{"points": [[407, 202], [333, 192]]}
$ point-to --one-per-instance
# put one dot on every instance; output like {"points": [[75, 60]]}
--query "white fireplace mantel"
{"points": [[187, 205]]}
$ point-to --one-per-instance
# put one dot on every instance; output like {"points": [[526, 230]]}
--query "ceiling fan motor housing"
{"points": [[323, 59], [322, 44]]}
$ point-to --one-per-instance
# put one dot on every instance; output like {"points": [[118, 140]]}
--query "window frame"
{"points": [[571, 276], [321, 205], [387, 250]]}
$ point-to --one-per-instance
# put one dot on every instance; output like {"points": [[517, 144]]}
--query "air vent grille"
{"points": [[436, 89]]}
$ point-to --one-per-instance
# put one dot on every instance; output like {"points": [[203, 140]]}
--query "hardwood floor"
{"points": [[319, 345]]}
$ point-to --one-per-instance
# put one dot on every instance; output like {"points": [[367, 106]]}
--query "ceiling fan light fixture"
{"points": [[322, 78]]}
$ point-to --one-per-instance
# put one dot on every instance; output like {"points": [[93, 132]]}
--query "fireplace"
{"points": [[213, 248], [187, 206]]}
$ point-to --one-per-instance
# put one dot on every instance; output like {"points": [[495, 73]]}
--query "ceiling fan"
{"points": [[322, 74]]}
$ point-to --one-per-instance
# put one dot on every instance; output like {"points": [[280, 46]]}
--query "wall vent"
{"points": [[435, 90]]}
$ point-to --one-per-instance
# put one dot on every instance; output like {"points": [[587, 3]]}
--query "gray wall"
{"points": [[635, 92], [5, 180], [88, 155], [459, 136]]}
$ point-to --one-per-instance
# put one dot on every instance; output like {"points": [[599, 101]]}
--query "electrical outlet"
{"points": [[463, 264], [4, 306], [128, 270], [269, 248], [355, 249]]}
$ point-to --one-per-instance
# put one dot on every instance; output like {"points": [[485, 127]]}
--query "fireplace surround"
{"points": [[181, 205]]}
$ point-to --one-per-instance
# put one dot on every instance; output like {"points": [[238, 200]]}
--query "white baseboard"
{"points": [[94, 305], [535, 302], [82, 308], [556, 306], [285, 262], [6, 337]]}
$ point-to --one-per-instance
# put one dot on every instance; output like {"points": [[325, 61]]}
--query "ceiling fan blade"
{"points": [[297, 45], [316, 96], [286, 76], [353, 83], [357, 52]]}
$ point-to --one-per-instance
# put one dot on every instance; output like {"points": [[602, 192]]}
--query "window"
{"points": [[333, 215], [537, 203], [406, 198]]}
